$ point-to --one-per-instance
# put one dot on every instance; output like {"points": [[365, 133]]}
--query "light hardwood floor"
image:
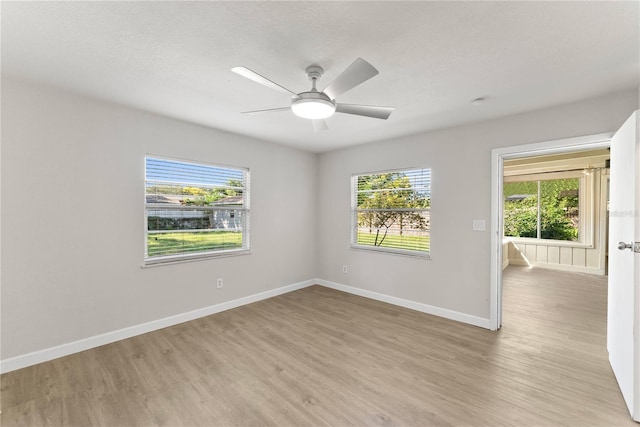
{"points": [[321, 357]]}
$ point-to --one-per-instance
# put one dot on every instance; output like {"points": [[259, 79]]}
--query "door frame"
{"points": [[498, 156]]}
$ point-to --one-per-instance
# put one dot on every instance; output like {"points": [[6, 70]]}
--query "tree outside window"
{"points": [[544, 209], [392, 210]]}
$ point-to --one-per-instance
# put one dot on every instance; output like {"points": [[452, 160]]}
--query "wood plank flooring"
{"points": [[319, 357]]}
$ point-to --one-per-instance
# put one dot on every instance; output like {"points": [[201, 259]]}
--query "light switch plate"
{"points": [[478, 225]]}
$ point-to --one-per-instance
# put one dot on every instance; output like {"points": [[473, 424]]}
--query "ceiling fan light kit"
{"points": [[313, 105], [316, 105]]}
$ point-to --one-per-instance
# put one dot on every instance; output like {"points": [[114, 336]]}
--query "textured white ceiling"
{"points": [[174, 58]]}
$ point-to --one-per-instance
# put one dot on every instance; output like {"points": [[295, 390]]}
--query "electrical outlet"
{"points": [[219, 283], [344, 269]]}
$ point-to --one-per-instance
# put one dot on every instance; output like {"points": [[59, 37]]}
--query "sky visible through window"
{"points": [[162, 171]]}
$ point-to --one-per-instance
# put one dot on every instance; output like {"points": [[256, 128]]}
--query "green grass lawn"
{"points": [[173, 243], [418, 243]]}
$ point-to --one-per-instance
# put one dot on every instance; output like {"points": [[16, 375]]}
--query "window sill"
{"points": [[180, 259], [390, 251], [543, 242]]}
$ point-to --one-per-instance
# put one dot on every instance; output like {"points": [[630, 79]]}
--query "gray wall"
{"points": [[73, 218], [457, 276]]}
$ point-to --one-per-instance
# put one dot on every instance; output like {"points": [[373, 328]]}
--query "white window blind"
{"points": [[390, 211], [194, 210]]}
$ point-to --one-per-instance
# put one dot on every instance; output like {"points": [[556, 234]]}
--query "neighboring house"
{"points": [[227, 218], [224, 214]]}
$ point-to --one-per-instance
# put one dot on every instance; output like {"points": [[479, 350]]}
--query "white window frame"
{"points": [[150, 261], [354, 218], [586, 208]]}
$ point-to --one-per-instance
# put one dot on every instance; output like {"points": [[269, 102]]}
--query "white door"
{"points": [[623, 314]]}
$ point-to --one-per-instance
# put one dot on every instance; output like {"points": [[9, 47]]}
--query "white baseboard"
{"points": [[62, 350], [560, 267], [519, 262], [413, 305], [51, 353], [505, 263]]}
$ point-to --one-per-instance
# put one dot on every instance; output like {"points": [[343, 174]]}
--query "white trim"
{"points": [[548, 164], [586, 207], [520, 262], [544, 176], [62, 350], [498, 155], [152, 261], [198, 256], [413, 305], [51, 353], [559, 267], [355, 211], [413, 253], [548, 242], [603, 236], [495, 251]]}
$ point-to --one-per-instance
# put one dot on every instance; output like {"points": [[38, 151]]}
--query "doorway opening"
{"points": [[581, 226], [554, 210]]}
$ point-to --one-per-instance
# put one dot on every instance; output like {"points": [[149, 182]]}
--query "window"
{"points": [[551, 207], [194, 210], [391, 211]]}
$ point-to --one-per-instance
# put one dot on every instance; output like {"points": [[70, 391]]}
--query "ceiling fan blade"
{"points": [[365, 110], [358, 72], [319, 125], [270, 110], [252, 75]]}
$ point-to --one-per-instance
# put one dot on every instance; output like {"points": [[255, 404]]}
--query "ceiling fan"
{"points": [[316, 105]]}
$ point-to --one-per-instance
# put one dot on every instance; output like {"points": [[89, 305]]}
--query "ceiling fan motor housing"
{"points": [[314, 72]]}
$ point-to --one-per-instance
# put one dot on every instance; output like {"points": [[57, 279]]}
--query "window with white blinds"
{"points": [[194, 210], [390, 211]]}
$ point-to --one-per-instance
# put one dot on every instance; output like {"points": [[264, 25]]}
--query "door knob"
{"points": [[633, 246], [622, 246]]}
